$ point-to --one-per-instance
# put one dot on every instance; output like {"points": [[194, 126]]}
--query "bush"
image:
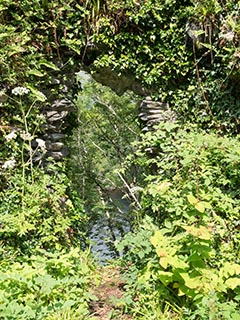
{"points": [[47, 286], [193, 199]]}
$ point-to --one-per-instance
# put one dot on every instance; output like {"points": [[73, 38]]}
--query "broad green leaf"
{"points": [[157, 238], [4, 35], [235, 316], [177, 263], [14, 49], [36, 73], [180, 292], [230, 269], [191, 283], [161, 252], [200, 206], [68, 304], [163, 187]]}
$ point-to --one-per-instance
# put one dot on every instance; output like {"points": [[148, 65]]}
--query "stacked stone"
{"points": [[152, 113], [56, 124], [60, 91]]}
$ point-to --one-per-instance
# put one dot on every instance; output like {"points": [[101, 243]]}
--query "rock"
{"points": [[58, 155], [56, 136], [53, 128], [55, 146], [118, 83], [153, 112], [62, 105], [53, 116]]}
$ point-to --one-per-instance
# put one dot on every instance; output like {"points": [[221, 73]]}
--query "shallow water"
{"points": [[108, 228]]}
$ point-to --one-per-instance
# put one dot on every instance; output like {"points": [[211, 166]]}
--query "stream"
{"points": [[110, 227]]}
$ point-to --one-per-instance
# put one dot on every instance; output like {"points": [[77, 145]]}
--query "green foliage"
{"points": [[47, 286], [146, 40], [38, 209], [185, 53], [39, 214], [107, 127], [191, 256], [184, 263]]}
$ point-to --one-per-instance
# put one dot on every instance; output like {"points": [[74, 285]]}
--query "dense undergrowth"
{"points": [[186, 252], [181, 261]]}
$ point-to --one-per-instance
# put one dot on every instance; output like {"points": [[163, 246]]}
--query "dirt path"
{"points": [[108, 292]]}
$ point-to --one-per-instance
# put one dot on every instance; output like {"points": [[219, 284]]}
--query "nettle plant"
{"points": [[192, 196]]}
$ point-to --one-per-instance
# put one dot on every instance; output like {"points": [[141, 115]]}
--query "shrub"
{"points": [[192, 197]]}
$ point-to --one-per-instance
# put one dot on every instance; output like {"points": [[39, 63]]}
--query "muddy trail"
{"points": [[108, 293]]}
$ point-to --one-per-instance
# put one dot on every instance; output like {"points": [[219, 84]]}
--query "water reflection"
{"points": [[112, 225]]}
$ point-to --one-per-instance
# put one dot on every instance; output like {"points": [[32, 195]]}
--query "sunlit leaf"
{"points": [[36, 73], [232, 283], [191, 199], [164, 262]]}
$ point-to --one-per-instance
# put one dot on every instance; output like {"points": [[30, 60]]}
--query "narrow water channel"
{"points": [[111, 226]]}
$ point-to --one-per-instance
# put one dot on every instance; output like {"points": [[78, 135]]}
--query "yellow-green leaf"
{"points": [[232, 283], [201, 232], [157, 239], [200, 206], [164, 262], [163, 187], [191, 199], [38, 94], [36, 73]]}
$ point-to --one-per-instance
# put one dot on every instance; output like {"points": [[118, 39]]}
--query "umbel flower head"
{"points": [[20, 91], [9, 164], [11, 136], [41, 144]]}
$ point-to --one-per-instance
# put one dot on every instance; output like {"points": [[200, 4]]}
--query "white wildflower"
{"points": [[41, 144], [26, 136], [20, 91], [9, 164], [11, 136]]}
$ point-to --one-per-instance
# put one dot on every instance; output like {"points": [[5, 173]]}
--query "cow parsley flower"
{"points": [[41, 144], [20, 91], [9, 164], [26, 136], [11, 136]]}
